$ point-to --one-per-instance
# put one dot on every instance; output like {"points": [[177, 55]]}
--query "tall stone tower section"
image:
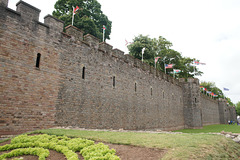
{"points": [[192, 110], [3, 3]]}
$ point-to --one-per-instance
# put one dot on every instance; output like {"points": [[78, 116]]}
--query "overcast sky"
{"points": [[208, 30]]}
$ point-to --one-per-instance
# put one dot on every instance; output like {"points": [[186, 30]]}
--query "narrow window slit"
{"points": [[83, 73], [114, 81], [38, 60]]}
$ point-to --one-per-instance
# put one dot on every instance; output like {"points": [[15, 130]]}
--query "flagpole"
{"points": [[165, 67], [142, 53], [155, 62], [164, 64], [103, 34], [73, 15]]}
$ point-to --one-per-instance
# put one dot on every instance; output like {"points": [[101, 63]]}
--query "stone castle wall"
{"points": [[210, 111], [79, 82]]}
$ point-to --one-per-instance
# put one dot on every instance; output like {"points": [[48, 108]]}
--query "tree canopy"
{"points": [[89, 18], [161, 48]]}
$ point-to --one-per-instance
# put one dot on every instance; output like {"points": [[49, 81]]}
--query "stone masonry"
{"points": [[51, 78]]}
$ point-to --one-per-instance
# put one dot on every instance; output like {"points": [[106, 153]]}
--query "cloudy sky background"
{"points": [[208, 30]]}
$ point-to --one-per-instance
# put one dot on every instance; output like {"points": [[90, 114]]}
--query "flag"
{"points": [[126, 42], [156, 59], [168, 65], [209, 92], [198, 63], [75, 10], [225, 89], [176, 71], [104, 27]]}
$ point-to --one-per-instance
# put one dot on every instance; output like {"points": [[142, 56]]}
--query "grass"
{"points": [[213, 129], [178, 146]]}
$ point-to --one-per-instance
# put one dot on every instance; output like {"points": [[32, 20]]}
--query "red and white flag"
{"points": [[156, 59], [199, 63], [75, 10]]}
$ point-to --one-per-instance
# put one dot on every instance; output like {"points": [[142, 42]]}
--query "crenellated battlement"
{"points": [[55, 78], [54, 27]]}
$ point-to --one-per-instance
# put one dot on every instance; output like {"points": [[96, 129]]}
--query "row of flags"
{"points": [[211, 93], [166, 66], [208, 92]]}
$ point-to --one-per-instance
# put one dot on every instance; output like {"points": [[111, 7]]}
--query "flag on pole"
{"points": [[75, 10], [198, 63], [176, 70], [225, 89], [156, 59], [104, 28], [168, 66]]}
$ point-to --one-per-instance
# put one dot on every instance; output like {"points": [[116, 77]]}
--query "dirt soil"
{"points": [[125, 152]]}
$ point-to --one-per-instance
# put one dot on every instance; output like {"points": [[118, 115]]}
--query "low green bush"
{"points": [[25, 144]]}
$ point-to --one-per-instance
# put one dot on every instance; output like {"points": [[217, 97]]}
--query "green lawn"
{"points": [[213, 129], [178, 146]]}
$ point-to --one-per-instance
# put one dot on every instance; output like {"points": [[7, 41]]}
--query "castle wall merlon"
{"points": [[93, 41], [129, 59], [193, 80], [137, 63], [107, 48], [75, 32], [118, 53], [54, 23], [4, 3], [28, 12]]}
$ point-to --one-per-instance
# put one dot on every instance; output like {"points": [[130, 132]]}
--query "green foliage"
{"points": [[61, 144], [238, 108], [40, 152], [160, 48], [88, 18], [99, 152]]}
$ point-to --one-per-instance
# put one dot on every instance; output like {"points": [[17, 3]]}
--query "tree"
{"points": [[160, 48], [238, 108], [89, 18]]}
